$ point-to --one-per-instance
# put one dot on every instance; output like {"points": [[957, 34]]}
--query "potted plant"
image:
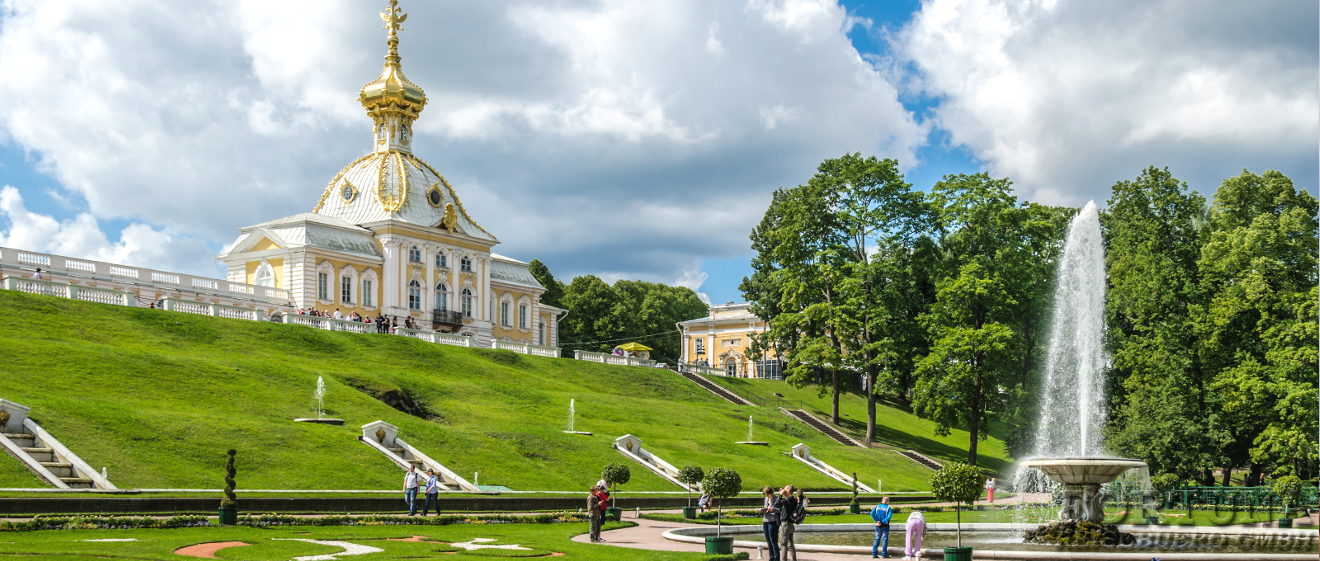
{"points": [[614, 475], [229, 504], [721, 483], [1288, 488], [854, 507], [960, 484], [689, 476]]}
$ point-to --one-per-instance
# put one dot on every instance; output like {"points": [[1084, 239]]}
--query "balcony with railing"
{"points": [[86, 272], [446, 318]]}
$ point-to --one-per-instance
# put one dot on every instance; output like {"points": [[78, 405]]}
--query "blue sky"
{"points": [[626, 139]]}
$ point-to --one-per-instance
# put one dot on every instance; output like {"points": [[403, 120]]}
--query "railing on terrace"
{"points": [[701, 369], [330, 324], [1238, 496], [71, 291], [527, 349], [606, 358], [95, 270], [209, 309]]}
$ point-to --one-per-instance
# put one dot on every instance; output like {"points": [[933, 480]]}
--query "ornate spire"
{"points": [[392, 101]]}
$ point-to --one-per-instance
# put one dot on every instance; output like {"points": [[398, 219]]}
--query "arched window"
{"points": [[414, 295], [415, 255], [731, 367], [265, 276], [466, 302], [441, 297]]}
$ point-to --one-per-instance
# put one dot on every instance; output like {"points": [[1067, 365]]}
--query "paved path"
{"points": [[648, 534]]}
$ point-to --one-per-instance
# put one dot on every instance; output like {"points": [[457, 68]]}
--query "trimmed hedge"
{"points": [[103, 523], [270, 520]]}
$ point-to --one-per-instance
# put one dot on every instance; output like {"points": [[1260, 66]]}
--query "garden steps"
{"points": [[822, 427], [43, 454], [921, 459], [384, 437], [631, 447], [716, 389]]}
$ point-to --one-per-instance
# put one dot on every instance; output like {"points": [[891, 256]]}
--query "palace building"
{"points": [[721, 341], [390, 236]]}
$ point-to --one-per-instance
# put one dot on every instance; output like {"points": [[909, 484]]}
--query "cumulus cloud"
{"points": [[1067, 96], [620, 137], [81, 236]]}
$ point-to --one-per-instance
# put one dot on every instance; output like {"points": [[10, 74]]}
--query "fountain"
{"points": [[750, 441], [572, 417], [319, 394]]}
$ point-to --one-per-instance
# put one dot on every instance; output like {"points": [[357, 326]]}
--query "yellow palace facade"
{"points": [[390, 236], [722, 339]]}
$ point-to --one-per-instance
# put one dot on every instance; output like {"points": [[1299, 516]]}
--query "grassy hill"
{"points": [[157, 397]]}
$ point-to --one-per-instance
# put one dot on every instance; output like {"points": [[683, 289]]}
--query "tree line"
{"points": [[942, 300], [602, 316]]}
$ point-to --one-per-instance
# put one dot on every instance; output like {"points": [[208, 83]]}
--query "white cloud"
{"points": [[1066, 97], [622, 137], [693, 280], [81, 236]]}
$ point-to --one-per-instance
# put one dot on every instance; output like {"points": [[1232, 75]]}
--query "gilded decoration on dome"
{"points": [[450, 221]]}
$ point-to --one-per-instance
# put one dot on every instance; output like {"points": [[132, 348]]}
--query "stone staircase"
{"points": [[42, 453], [822, 427], [385, 438], [716, 389], [921, 459]]}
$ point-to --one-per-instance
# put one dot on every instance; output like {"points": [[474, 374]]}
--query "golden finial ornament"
{"points": [[392, 100], [450, 221]]}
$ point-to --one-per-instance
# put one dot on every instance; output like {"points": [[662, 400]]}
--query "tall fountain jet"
{"points": [[1069, 447]]}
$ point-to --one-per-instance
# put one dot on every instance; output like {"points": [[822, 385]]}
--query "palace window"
{"points": [[414, 295], [346, 289], [701, 346], [504, 314], [540, 335], [522, 316], [465, 264], [466, 302], [415, 255], [323, 286], [441, 297], [441, 260], [265, 275], [366, 293]]}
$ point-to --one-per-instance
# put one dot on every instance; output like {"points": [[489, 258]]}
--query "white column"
{"points": [[683, 353], [389, 282], [429, 293], [401, 285]]}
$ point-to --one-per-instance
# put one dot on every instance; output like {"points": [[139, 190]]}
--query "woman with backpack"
{"points": [[789, 511]]}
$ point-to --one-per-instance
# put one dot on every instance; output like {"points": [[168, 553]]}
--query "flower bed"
{"points": [[103, 523], [272, 520]]}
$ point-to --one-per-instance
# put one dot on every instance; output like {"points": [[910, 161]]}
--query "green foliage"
{"points": [[1164, 482], [92, 522], [276, 520], [854, 489], [603, 316], [722, 483], [1288, 488], [691, 475], [554, 290], [957, 483], [615, 474]]}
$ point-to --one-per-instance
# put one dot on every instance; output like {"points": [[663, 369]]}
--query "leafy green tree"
{"points": [[554, 290], [960, 484], [602, 316], [615, 475], [721, 483], [974, 351], [689, 476]]}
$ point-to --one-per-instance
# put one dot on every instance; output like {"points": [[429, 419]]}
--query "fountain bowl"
{"points": [[1084, 471], [753, 443], [326, 421], [578, 432]]}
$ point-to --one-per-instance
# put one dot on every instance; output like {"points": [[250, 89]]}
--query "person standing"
{"points": [[432, 493], [787, 505], [410, 484], [990, 489], [593, 511], [916, 528], [770, 523], [38, 275], [881, 515]]}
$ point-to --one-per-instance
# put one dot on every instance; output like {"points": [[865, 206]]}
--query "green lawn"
{"points": [[896, 426], [157, 397], [272, 544]]}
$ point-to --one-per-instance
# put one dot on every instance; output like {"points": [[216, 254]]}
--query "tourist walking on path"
{"points": [[770, 523], [916, 528], [787, 505], [593, 511], [881, 515], [432, 493], [410, 483], [990, 489]]}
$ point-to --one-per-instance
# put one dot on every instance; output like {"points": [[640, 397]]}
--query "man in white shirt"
{"points": [[338, 314], [432, 493], [410, 483]]}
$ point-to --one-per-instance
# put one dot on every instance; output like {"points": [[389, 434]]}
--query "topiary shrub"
{"points": [[854, 503], [1288, 488], [957, 483], [230, 499], [689, 476], [721, 483], [615, 474]]}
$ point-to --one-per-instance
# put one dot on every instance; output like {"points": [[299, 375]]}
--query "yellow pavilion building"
{"points": [[721, 341], [390, 236]]}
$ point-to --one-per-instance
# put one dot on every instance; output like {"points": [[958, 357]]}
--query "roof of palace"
{"points": [[726, 312], [311, 230], [511, 271]]}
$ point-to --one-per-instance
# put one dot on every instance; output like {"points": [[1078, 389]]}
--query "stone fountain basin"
{"points": [[1081, 471]]}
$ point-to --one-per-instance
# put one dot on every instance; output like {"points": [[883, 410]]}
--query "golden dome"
{"points": [[392, 92]]}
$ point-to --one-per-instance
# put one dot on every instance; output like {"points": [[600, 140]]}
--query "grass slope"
{"points": [[157, 397]]}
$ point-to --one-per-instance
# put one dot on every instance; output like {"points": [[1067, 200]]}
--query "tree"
{"points": [[689, 476], [721, 483], [614, 475], [554, 290], [602, 316], [973, 355], [959, 484]]}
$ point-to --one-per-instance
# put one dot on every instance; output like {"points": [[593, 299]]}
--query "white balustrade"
{"points": [[117, 271], [79, 266], [210, 309], [205, 283], [428, 336], [65, 290], [527, 349], [240, 288], [33, 259], [329, 324], [157, 276], [700, 369], [606, 358], [451, 339]]}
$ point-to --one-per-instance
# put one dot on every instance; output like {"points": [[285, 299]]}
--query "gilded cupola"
{"points": [[392, 101]]}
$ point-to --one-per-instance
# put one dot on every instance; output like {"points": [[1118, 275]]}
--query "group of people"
{"points": [[428, 483], [781, 513], [916, 530], [382, 323], [598, 502]]}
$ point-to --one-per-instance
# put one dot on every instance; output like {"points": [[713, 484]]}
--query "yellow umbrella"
{"points": [[634, 347]]}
